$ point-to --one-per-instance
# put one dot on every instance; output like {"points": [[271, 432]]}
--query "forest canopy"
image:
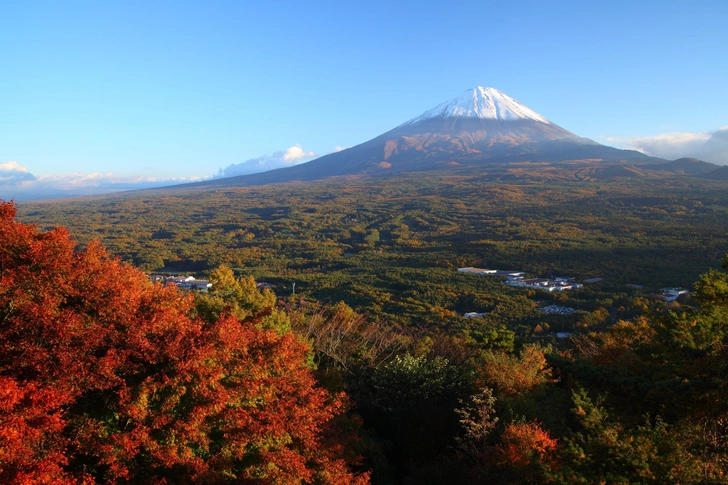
{"points": [[608, 383], [107, 378]]}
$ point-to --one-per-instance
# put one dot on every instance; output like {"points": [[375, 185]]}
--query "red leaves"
{"points": [[29, 427], [106, 378], [523, 444]]}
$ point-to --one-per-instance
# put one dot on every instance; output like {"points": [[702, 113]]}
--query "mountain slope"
{"points": [[479, 128], [685, 166], [719, 174]]}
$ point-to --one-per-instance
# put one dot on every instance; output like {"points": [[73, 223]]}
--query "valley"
{"points": [[364, 243], [391, 247], [422, 349]]}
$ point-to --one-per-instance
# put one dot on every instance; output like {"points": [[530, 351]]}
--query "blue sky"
{"points": [[143, 91]]}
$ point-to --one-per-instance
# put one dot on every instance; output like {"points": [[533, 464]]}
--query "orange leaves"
{"points": [[105, 377], [514, 375], [523, 444], [29, 434]]}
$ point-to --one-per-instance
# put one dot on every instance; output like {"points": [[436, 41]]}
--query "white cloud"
{"points": [[294, 155], [716, 148], [13, 173], [68, 181], [16, 182], [12, 166], [710, 147]]}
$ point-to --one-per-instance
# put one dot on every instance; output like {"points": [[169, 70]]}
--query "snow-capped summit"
{"points": [[482, 103], [479, 131]]}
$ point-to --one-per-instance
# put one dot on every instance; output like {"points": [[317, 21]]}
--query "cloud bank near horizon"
{"points": [[17, 182], [709, 147], [289, 157]]}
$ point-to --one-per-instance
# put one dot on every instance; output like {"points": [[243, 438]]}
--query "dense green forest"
{"points": [[636, 395], [391, 247]]}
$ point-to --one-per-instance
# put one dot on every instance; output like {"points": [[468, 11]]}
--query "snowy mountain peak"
{"points": [[483, 103]]}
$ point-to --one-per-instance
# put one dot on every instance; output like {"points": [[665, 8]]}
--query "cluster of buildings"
{"points": [[516, 278], [183, 282], [672, 294], [557, 284], [192, 283], [557, 309]]}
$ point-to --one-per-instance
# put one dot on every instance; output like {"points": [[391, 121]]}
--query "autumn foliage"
{"points": [[106, 378], [523, 444], [514, 374]]}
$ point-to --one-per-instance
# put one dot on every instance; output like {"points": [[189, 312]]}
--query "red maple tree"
{"points": [[106, 378]]}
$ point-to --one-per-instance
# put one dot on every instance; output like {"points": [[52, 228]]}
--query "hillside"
{"points": [[719, 174], [481, 130], [684, 166]]}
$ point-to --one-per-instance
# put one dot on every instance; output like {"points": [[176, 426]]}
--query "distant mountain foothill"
{"points": [[482, 130]]}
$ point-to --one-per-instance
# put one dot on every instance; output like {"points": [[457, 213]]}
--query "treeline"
{"points": [[107, 378], [643, 401], [390, 248]]}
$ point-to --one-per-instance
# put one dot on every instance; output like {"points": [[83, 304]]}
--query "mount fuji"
{"points": [[482, 129]]}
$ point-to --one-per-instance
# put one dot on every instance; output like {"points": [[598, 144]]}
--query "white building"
{"points": [[188, 283], [672, 294], [544, 284], [511, 275], [516, 278], [479, 271]]}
